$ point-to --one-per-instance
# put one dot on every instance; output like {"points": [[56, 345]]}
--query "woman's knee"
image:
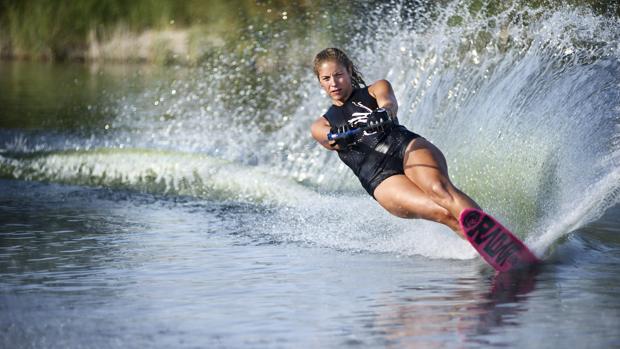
{"points": [[438, 189]]}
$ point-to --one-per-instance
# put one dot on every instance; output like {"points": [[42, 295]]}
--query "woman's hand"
{"points": [[320, 128]]}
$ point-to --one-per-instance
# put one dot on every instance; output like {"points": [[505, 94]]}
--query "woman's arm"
{"points": [[383, 93], [320, 128]]}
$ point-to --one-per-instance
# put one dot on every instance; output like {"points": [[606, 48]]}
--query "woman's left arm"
{"points": [[383, 93]]}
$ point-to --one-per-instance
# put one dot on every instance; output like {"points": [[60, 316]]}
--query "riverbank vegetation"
{"points": [[190, 31], [161, 31]]}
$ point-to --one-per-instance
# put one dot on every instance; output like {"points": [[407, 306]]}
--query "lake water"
{"points": [[101, 268], [146, 207]]}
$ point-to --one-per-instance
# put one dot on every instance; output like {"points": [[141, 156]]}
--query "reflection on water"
{"points": [[67, 96], [462, 312]]}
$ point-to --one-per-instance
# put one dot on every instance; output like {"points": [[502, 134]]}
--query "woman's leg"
{"points": [[402, 198], [426, 166]]}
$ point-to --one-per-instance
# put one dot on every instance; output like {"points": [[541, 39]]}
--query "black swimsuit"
{"points": [[373, 156]]}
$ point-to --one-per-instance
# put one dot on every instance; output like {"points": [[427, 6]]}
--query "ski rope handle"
{"points": [[345, 134], [352, 132]]}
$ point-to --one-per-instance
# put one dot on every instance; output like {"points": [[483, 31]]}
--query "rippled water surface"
{"points": [[99, 268]]}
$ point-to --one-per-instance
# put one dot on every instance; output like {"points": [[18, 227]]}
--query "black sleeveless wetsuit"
{"points": [[373, 156]]}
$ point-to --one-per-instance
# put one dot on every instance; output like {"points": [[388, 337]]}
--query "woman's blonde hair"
{"points": [[336, 55]]}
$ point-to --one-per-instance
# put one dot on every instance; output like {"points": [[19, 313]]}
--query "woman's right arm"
{"points": [[320, 128]]}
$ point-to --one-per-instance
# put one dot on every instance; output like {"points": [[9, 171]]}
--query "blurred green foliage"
{"points": [[60, 29], [55, 28]]}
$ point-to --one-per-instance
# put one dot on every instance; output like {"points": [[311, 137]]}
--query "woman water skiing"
{"points": [[404, 172]]}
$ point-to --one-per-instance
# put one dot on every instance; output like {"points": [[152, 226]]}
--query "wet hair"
{"points": [[336, 55]]}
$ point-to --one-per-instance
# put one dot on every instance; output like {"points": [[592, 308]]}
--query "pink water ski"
{"points": [[496, 244]]}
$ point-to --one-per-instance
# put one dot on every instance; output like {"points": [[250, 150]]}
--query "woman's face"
{"points": [[335, 79]]}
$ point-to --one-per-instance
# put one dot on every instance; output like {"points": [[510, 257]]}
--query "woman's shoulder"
{"points": [[379, 86]]}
